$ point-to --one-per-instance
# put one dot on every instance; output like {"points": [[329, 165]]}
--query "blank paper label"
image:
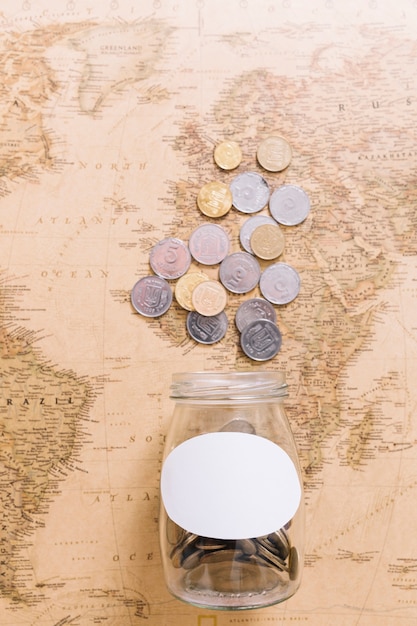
{"points": [[230, 486]]}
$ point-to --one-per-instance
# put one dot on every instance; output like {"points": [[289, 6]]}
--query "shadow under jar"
{"points": [[232, 510]]}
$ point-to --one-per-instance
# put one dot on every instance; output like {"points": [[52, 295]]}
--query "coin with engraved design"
{"points": [[250, 192], [170, 258], [261, 340], [151, 296], [207, 329]]}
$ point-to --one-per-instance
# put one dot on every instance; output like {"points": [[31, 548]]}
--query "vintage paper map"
{"points": [[110, 112]]}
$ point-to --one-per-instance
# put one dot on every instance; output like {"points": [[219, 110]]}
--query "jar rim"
{"points": [[228, 385]]}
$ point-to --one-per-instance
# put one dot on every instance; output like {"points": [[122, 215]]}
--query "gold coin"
{"points": [[274, 153], [214, 199], [267, 241], [209, 298], [228, 155], [185, 287]]}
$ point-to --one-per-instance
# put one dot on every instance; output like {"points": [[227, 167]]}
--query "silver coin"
{"points": [[250, 192], [207, 328], [280, 283], [249, 226], [209, 244], [239, 272], [289, 205], [151, 296], [261, 340], [170, 258], [254, 309]]}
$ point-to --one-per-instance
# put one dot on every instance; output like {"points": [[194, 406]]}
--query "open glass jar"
{"points": [[232, 513]]}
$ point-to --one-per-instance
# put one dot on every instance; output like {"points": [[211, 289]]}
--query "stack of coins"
{"points": [[189, 551], [261, 239]]}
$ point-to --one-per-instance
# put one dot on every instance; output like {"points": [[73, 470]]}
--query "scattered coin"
{"points": [[250, 192], [249, 226], [239, 272], [214, 199], [252, 310], [209, 297], [170, 258], [209, 244], [289, 205], [185, 287], [267, 241], [207, 329], [261, 340], [274, 153], [228, 155], [151, 296], [280, 283]]}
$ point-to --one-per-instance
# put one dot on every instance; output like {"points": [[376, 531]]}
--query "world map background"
{"points": [[109, 116]]}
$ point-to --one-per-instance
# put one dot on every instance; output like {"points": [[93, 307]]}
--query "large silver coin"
{"points": [[209, 244], [249, 226], [207, 329], [250, 192], [151, 296], [261, 340], [289, 205], [254, 309], [239, 272], [280, 283], [170, 258]]}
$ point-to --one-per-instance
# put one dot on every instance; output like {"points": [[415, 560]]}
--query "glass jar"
{"points": [[232, 514]]}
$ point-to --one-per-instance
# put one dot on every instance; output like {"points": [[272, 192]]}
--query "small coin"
{"points": [[170, 258], [174, 533], [249, 226], [280, 283], [247, 546], [293, 563], [209, 244], [279, 543], [209, 297], [214, 199], [238, 425], [289, 205], [267, 241], [207, 543], [261, 340], [274, 153], [239, 272], [151, 296], [252, 310], [221, 556], [250, 192], [207, 329], [228, 155], [270, 557], [185, 286]]}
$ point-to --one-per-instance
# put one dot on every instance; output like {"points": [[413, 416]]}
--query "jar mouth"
{"points": [[229, 385]]}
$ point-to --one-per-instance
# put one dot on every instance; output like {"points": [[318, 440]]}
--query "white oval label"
{"points": [[230, 486]]}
